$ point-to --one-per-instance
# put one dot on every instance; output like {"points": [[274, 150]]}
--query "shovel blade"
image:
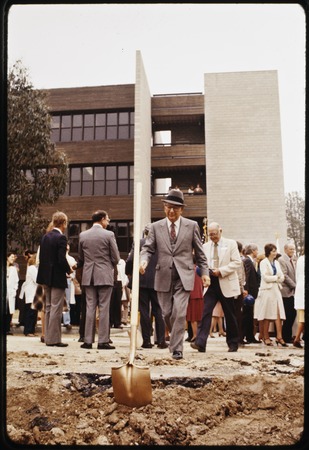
{"points": [[132, 385]]}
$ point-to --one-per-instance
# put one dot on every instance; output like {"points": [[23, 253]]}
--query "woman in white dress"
{"points": [[269, 306], [300, 299], [12, 280]]}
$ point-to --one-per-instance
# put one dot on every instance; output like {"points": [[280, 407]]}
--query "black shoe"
{"points": [[60, 344], [163, 345], [84, 345], [147, 345], [105, 347], [253, 341], [197, 347], [232, 349], [177, 355], [81, 339]]}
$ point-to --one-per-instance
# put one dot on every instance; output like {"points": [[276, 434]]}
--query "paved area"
{"points": [[31, 354]]}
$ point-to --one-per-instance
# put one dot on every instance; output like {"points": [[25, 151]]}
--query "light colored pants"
{"points": [[53, 313], [97, 296]]}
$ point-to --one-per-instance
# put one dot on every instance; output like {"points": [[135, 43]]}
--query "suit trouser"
{"points": [[238, 305], [115, 305], [53, 314], [147, 297], [248, 323], [174, 306], [82, 314], [213, 294], [97, 296], [30, 319], [290, 314]]}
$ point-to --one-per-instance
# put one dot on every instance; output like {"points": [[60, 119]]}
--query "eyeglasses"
{"points": [[174, 207], [213, 234]]}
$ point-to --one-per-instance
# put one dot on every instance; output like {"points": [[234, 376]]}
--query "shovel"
{"points": [[132, 384]]}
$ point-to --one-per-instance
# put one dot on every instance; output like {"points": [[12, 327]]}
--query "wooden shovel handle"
{"points": [[135, 278]]}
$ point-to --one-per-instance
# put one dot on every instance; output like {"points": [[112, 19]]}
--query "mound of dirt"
{"points": [[65, 396]]}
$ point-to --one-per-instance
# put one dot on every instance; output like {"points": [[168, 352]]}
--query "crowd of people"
{"points": [[185, 285]]}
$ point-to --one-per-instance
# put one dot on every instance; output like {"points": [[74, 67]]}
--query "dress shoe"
{"points": [[60, 344], [81, 339], [84, 345], [253, 341], [197, 347], [147, 345], [177, 355], [232, 349], [105, 347], [68, 326], [163, 345], [297, 344]]}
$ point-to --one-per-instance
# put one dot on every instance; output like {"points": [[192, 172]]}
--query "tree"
{"points": [[295, 215], [36, 170]]}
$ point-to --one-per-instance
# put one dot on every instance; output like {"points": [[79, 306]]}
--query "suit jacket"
{"points": [[98, 254], [53, 265], [289, 283], [229, 263], [267, 276], [179, 254], [252, 277]]}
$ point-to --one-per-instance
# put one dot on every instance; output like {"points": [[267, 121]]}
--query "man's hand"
{"points": [[216, 272], [142, 267], [206, 280]]}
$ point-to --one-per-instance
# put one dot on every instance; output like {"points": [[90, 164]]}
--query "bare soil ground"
{"points": [[64, 396]]}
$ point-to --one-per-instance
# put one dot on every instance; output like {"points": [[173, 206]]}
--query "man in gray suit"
{"points": [[98, 254], [288, 289], [175, 238]]}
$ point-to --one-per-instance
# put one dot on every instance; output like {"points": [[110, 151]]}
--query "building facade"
{"points": [[226, 140]]}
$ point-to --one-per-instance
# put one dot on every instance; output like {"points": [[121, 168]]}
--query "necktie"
{"points": [[292, 262], [216, 257], [173, 232]]}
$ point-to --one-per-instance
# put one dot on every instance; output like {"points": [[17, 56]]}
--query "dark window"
{"points": [[89, 126], [75, 181], [100, 180], [87, 180]]}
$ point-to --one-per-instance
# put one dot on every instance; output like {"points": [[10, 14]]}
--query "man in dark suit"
{"points": [[175, 238], [52, 274], [251, 288], [148, 297], [98, 254]]}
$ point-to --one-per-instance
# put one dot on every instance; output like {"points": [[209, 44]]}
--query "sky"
{"points": [[76, 45]]}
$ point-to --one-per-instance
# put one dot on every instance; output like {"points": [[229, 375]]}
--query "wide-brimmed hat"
{"points": [[174, 197]]}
